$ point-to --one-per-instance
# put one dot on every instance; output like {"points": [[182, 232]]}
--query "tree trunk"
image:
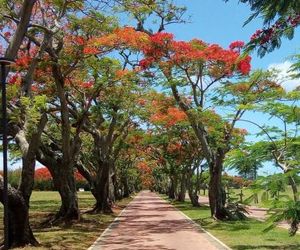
{"points": [[112, 183], [216, 195], [294, 188], [194, 198], [101, 189], [29, 150], [172, 188], [64, 182], [20, 233], [182, 192], [126, 192]]}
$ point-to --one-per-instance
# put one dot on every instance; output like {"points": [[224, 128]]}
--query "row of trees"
{"points": [[81, 98]]}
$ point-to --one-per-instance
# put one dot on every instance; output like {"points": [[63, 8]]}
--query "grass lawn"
{"points": [[78, 236], [240, 235]]}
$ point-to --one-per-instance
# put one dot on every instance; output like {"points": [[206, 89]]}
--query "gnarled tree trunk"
{"points": [[29, 150], [100, 189], [64, 182], [20, 233]]}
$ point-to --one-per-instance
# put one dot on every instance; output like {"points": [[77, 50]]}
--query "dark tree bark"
{"points": [[24, 19], [172, 188], [126, 192], [64, 183], [216, 195], [192, 190], [112, 183], [99, 185], [194, 198], [101, 189], [20, 233], [182, 191]]}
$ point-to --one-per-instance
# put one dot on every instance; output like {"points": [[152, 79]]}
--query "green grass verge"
{"points": [[80, 235], [240, 235]]}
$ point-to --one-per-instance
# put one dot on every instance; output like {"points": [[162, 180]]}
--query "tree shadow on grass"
{"points": [[209, 223], [229, 226]]}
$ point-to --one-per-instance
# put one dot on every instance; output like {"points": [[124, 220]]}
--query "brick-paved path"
{"points": [[149, 222]]}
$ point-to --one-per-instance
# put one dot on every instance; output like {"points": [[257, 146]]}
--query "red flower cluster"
{"points": [[7, 34], [170, 117], [15, 79], [146, 62], [163, 49], [174, 147], [144, 167], [44, 174], [87, 85], [79, 40], [23, 61], [161, 38], [244, 65], [90, 50], [237, 45], [256, 35]]}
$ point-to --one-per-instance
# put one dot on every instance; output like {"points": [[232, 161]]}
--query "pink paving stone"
{"points": [[149, 222]]}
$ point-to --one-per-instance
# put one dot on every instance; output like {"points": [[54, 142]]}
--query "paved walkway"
{"points": [[149, 222]]}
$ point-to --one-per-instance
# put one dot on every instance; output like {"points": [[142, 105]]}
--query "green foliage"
{"points": [[272, 9], [244, 160], [276, 17], [283, 207], [161, 12], [286, 211], [295, 68]]}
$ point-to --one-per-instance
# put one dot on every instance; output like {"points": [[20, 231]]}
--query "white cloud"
{"points": [[284, 76]]}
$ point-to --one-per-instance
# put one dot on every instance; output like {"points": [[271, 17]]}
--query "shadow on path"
{"points": [[151, 223]]}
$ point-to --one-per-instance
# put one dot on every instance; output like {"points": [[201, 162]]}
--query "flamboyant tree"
{"points": [[199, 68], [51, 55], [127, 173], [173, 145], [110, 118], [15, 20]]}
